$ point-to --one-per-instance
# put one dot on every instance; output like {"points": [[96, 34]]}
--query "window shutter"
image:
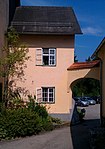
{"points": [[39, 56], [39, 95]]}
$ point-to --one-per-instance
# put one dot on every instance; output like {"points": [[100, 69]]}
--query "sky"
{"points": [[91, 17]]}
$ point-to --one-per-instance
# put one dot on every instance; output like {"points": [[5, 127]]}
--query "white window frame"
{"points": [[54, 55], [39, 95], [40, 57], [49, 56]]}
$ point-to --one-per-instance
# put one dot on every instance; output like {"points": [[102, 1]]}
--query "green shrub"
{"points": [[41, 111], [81, 113], [24, 122], [38, 108], [15, 100], [20, 122], [56, 120], [31, 102], [47, 124]]}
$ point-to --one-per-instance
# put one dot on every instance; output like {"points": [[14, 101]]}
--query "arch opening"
{"points": [[87, 89]]}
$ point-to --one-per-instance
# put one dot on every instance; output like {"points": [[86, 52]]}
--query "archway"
{"points": [[87, 87]]}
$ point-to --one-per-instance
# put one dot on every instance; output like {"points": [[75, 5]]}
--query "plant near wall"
{"points": [[12, 62]]}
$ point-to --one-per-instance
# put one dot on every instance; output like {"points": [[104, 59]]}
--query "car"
{"points": [[76, 98], [91, 101], [97, 99], [82, 102]]}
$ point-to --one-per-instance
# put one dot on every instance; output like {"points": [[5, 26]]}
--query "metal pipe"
{"points": [[101, 92]]}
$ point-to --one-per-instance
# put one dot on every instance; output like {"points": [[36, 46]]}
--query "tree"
{"points": [[75, 58], [88, 59], [86, 87], [12, 61]]}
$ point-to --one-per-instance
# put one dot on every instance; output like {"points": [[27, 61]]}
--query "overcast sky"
{"points": [[91, 17]]}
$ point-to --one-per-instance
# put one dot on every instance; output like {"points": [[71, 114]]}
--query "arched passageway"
{"points": [[78, 73], [85, 87]]}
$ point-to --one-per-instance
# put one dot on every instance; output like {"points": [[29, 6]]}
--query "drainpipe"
{"points": [[101, 95]]}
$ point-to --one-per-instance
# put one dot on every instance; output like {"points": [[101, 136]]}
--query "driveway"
{"points": [[74, 137], [57, 139], [92, 112]]}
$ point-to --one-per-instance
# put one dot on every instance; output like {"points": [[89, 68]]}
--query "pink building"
{"points": [[49, 33]]}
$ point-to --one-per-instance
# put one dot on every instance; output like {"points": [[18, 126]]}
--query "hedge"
{"points": [[23, 122]]}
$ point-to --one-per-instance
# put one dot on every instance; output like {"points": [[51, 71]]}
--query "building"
{"points": [[100, 54], [49, 33]]}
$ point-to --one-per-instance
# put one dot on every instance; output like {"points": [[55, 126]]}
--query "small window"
{"points": [[45, 94], [48, 94], [46, 56], [49, 56]]}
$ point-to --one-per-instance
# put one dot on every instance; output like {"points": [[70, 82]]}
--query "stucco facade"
{"points": [[100, 54], [75, 75], [49, 34], [50, 76]]}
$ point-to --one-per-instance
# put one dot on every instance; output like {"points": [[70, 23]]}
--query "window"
{"points": [[46, 94], [46, 57]]}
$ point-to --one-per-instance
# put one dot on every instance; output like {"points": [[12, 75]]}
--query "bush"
{"points": [[31, 104], [56, 120], [41, 111], [81, 113], [38, 108], [47, 124], [22, 122]]}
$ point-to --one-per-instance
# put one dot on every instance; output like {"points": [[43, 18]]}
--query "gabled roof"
{"points": [[98, 48], [45, 20], [84, 65]]}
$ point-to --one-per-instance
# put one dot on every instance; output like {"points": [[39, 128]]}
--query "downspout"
{"points": [[101, 95]]}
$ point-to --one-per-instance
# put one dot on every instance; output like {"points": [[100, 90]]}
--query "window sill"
{"points": [[47, 65], [47, 102]]}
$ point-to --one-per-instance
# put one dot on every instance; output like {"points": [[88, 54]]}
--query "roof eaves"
{"points": [[84, 65]]}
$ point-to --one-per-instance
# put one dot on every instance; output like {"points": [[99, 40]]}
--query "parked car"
{"points": [[76, 98], [82, 102], [97, 99], [91, 101]]}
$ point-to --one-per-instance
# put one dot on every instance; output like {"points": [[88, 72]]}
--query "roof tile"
{"points": [[84, 65], [45, 20]]}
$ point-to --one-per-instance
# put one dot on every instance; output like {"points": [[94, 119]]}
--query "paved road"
{"points": [[75, 137], [57, 139], [92, 112]]}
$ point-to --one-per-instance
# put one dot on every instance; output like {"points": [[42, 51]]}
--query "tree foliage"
{"points": [[86, 87], [88, 59], [75, 58], [14, 55], [12, 61]]}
